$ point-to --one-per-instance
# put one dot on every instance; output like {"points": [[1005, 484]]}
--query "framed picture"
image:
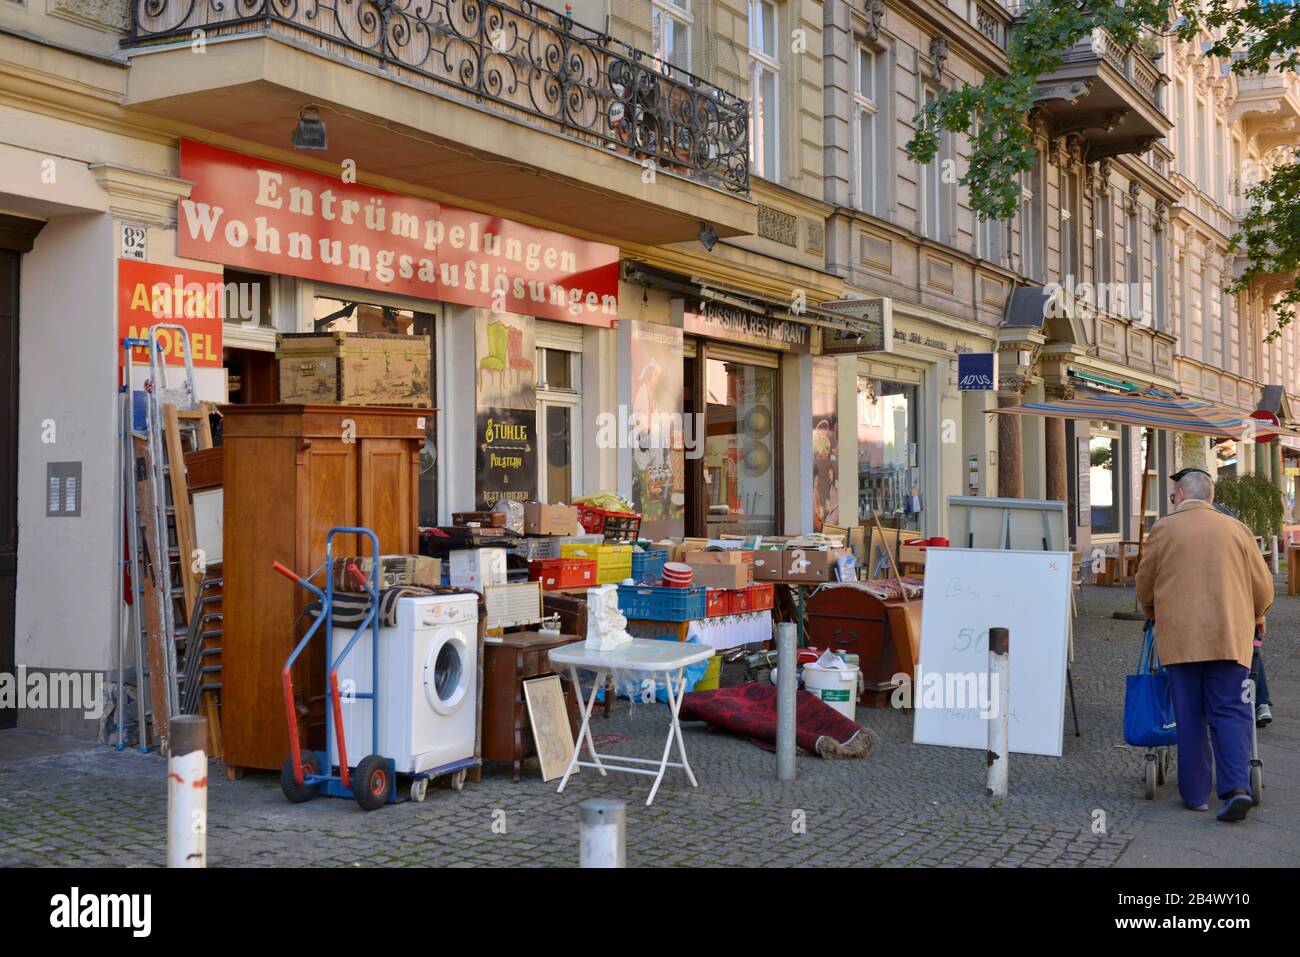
{"points": [[550, 721]]}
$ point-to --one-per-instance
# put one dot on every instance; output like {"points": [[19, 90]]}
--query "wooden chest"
{"points": [[508, 662], [354, 368]]}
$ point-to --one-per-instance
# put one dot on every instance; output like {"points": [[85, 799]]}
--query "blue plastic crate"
{"points": [[648, 566], [660, 603]]}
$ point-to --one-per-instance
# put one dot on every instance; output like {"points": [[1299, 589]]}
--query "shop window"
{"points": [[1104, 480], [247, 298], [764, 74], [350, 315], [558, 415], [740, 448], [889, 476]]}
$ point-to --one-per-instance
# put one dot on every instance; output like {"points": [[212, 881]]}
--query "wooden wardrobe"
{"points": [[292, 472]]}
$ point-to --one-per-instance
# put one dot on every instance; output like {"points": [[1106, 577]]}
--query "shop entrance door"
{"points": [[8, 465]]}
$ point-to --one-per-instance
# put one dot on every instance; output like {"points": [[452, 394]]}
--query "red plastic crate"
{"points": [[615, 526], [716, 602], [741, 601], [563, 572], [761, 596]]}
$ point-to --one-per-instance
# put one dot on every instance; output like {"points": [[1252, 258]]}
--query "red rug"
{"points": [[749, 710]]}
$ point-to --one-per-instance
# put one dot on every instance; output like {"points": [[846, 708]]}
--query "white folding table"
{"points": [[647, 655]]}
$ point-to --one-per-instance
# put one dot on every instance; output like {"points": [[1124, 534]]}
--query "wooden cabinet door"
{"points": [[389, 493]]}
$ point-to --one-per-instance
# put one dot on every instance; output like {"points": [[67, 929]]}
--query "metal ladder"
{"points": [[155, 545]]}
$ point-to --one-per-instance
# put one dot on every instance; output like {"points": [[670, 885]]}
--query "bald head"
{"points": [[1197, 486]]}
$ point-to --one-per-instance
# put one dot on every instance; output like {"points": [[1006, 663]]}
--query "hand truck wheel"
{"points": [[1162, 766], [419, 788], [1256, 781], [295, 792], [371, 782], [458, 780], [1150, 777]]}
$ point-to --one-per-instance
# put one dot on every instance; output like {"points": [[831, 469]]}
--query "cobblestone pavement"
{"points": [[906, 805]]}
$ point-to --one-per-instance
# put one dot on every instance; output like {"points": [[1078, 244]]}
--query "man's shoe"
{"points": [[1263, 716], [1235, 808], [1196, 807]]}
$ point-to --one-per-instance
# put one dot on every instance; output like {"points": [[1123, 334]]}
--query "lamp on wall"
{"points": [[708, 237], [309, 134]]}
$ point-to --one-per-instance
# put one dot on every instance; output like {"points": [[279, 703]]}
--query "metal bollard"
{"points": [[187, 792], [1000, 723], [787, 675], [602, 841]]}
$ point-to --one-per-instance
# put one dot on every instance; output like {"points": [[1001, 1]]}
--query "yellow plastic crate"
{"points": [[613, 562]]}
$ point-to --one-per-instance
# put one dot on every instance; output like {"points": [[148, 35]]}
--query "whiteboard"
{"points": [[967, 592]]}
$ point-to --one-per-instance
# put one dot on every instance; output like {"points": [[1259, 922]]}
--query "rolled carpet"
{"points": [[749, 710]]}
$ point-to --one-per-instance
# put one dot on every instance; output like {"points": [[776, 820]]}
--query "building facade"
{"points": [[696, 215]]}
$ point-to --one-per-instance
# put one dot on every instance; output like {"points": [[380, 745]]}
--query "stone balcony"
{"points": [[505, 102]]}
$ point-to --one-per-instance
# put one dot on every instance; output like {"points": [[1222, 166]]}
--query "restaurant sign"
{"points": [[255, 214], [751, 328], [870, 331]]}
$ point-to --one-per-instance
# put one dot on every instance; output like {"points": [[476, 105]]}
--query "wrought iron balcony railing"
{"points": [[532, 64]]}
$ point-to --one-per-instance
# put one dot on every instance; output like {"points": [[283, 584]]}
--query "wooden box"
{"points": [[769, 564], [353, 368], [289, 478], [810, 565]]}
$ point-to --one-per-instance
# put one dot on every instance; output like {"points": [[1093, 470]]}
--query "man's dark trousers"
{"points": [[1211, 692]]}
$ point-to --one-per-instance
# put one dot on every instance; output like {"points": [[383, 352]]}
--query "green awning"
{"points": [[1103, 380]]}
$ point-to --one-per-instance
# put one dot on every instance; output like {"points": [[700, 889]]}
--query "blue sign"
{"points": [[977, 371]]}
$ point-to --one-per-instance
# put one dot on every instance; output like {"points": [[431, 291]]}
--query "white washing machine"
{"points": [[428, 684]]}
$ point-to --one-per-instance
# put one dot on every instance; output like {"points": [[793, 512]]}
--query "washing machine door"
{"points": [[446, 671]]}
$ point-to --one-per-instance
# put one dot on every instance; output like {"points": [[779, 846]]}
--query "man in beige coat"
{"points": [[1204, 582]]}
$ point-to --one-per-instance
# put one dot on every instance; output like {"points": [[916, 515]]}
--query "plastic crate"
{"points": [[563, 572], [613, 562], [659, 603], [717, 601], [761, 596], [614, 526], [648, 565], [533, 549], [739, 601]]}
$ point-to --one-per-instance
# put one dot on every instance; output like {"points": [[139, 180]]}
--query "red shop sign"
{"points": [[255, 214], [148, 294]]}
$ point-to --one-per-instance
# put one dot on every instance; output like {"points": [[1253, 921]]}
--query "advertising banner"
{"points": [[506, 420], [659, 457], [255, 214], [148, 294], [825, 443]]}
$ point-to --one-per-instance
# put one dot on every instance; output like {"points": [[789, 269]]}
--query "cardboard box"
{"points": [[660, 529], [769, 564], [810, 565], [474, 568], [550, 519], [688, 545], [393, 570], [721, 575], [745, 559]]}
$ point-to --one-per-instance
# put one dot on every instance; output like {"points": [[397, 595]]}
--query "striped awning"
{"points": [[1152, 408]]}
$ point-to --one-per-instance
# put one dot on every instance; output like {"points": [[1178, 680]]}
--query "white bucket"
{"points": [[837, 687]]}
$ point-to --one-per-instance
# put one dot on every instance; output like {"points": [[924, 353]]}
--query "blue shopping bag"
{"points": [[1148, 702]]}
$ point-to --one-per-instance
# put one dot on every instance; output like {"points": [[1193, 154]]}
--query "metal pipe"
{"points": [[187, 792], [999, 694], [786, 677], [602, 840]]}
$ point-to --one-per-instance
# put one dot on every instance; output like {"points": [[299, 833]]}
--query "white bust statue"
{"points": [[606, 625]]}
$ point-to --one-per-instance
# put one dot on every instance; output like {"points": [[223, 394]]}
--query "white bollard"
{"points": [[602, 841], [999, 723], [787, 676], [1276, 569], [187, 792]]}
